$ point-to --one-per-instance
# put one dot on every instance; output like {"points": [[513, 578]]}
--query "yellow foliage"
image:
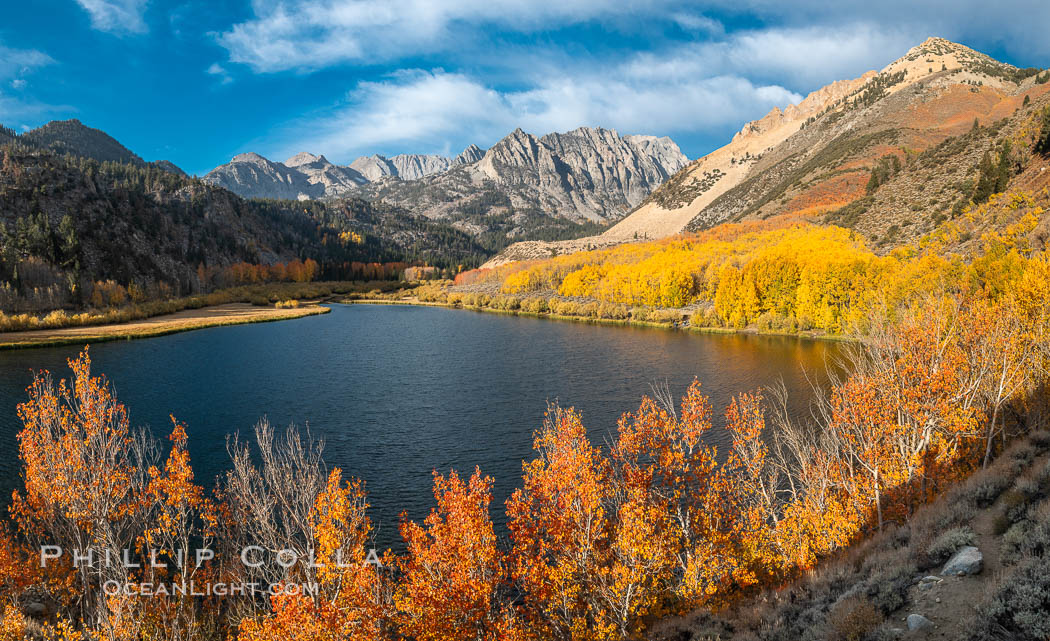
{"points": [[801, 276]]}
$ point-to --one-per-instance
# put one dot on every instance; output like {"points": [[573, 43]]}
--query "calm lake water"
{"points": [[398, 391]]}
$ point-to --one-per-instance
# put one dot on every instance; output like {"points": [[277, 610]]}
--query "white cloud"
{"points": [[698, 24], [701, 85], [317, 33], [15, 64], [431, 111], [1017, 26], [18, 62], [806, 58], [701, 88], [116, 16], [220, 72]]}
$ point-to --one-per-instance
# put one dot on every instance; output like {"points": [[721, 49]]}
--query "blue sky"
{"points": [[197, 82]]}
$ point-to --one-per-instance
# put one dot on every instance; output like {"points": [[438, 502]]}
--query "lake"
{"points": [[398, 391]]}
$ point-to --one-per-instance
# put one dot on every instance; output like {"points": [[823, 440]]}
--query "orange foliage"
{"points": [[348, 606], [453, 566]]}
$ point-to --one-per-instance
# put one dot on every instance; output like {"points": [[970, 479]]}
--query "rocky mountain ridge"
{"points": [[589, 176], [306, 176], [521, 185]]}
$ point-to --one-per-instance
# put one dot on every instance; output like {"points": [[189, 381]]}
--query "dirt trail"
{"points": [[950, 604]]}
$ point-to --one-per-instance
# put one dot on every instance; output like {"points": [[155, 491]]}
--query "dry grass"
{"points": [[229, 314]]}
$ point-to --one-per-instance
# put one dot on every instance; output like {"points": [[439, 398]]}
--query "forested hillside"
{"points": [[69, 223]]}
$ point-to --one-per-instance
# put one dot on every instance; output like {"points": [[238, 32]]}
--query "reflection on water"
{"points": [[398, 391]]}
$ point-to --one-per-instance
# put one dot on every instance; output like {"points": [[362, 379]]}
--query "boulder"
{"points": [[928, 582], [918, 622], [35, 610], [968, 560]]}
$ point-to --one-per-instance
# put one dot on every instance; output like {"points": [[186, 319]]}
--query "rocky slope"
{"points": [[522, 186], [324, 177], [933, 92], [816, 159], [525, 184], [973, 565], [252, 176]]}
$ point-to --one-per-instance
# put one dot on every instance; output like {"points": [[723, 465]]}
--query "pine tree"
{"points": [[1042, 144], [1002, 178], [987, 178]]}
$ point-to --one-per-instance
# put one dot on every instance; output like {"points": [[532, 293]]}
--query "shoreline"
{"points": [[161, 325], [623, 322]]}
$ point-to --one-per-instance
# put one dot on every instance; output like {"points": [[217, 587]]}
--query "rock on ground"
{"points": [[918, 622], [968, 560]]}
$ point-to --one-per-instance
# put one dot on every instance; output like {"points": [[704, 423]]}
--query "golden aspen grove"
{"points": [[787, 274]]}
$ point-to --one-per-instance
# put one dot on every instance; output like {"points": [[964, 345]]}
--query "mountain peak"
{"points": [[935, 55], [75, 138], [305, 158], [250, 157], [470, 155]]}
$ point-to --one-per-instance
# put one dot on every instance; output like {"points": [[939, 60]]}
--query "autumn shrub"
{"points": [[453, 568], [852, 619], [1042, 477], [321, 518], [565, 308], [986, 485], [766, 322], [956, 509], [612, 311], [1014, 505], [705, 318], [535, 305], [668, 316], [1028, 537], [890, 575], [14, 626], [1014, 542], [431, 294], [287, 304], [1021, 456], [92, 483], [1028, 486]]}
